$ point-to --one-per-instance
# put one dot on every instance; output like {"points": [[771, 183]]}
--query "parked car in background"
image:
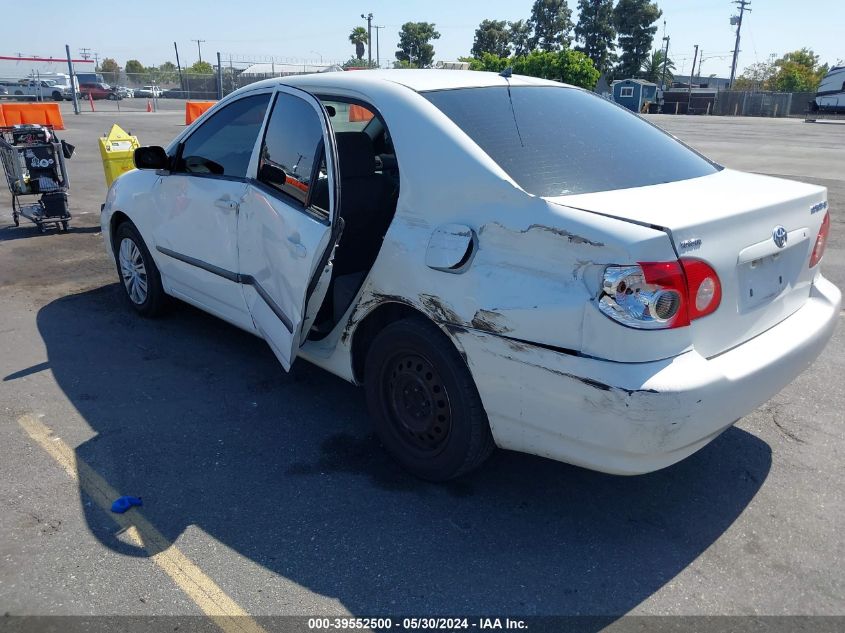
{"points": [[498, 261], [44, 89], [3, 90], [149, 92], [99, 91], [175, 93], [125, 92]]}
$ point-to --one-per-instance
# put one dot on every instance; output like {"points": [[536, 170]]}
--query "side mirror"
{"points": [[151, 157], [272, 175]]}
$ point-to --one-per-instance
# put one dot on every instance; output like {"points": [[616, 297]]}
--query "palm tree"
{"points": [[359, 38], [652, 68]]}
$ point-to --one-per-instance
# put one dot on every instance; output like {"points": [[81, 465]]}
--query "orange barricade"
{"points": [[2, 118], [359, 113], [193, 110], [41, 113]]}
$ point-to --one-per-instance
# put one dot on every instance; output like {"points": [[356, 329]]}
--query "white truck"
{"points": [[56, 87]]}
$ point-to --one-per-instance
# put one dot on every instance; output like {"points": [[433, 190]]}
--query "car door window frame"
{"points": [[177, 156], [328, 151]]}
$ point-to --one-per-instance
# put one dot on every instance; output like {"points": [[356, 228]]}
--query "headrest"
{"points": [[355, 154]]}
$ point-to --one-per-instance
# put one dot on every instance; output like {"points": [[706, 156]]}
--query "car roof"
{"points": [[417, 80]]}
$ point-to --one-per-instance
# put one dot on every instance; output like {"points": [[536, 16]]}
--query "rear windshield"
{"points": [[561, 141]]}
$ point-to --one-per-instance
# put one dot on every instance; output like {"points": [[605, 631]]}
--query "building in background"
{"points": [[634, 94]]}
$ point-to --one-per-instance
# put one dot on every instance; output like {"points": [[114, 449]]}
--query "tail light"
{"points": [[821, 241], [660, 295]]}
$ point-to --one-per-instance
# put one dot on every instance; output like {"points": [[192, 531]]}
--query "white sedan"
{"points": [[499, 261]]}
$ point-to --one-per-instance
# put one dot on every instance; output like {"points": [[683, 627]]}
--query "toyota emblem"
{"points": [[779, 235]]}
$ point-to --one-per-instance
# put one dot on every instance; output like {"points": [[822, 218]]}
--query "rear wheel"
{"points": [[425, 405], [138, 273]]}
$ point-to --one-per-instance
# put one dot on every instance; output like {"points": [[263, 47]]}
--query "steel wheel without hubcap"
{"points": [[418, 403], [132, 271]]}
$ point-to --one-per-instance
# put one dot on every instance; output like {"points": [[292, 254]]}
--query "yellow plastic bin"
{"points": [[117, 150]]}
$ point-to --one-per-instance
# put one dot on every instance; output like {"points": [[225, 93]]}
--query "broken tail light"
{"points": [[821, 241], [659, 295]]}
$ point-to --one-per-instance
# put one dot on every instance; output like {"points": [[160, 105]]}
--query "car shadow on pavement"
{"points": [[28, 230], [198, 418]]}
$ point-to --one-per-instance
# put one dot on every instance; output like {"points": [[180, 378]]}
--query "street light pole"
{"points": [[369, 19], [320, 54]]}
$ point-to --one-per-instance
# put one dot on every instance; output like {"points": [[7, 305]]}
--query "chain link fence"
{"points": [[231, 75], [765, 104]]}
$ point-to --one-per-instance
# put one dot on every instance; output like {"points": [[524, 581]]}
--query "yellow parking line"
{"points": [[205, 593]]}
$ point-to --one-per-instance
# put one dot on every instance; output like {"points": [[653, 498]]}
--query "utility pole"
{"points": [[378, 53], [700, 60], [179, 68], [689, 83], [73, 82], [737, 21], [665, 57], [369, 19], [85, 53], [199, 47]]}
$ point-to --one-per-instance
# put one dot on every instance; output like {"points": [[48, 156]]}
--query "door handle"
{"points": [[296, 247], [227, 204]]}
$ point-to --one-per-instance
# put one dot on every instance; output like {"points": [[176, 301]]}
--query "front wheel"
{"points": [[425, 405], [138, 272]]}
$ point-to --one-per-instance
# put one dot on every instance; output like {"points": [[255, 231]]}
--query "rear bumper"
{"points": [[633, 418]]}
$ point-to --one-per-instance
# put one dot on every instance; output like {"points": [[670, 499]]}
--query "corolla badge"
{"points": [[779, 235]]}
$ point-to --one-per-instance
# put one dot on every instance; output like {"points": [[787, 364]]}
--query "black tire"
{"points": [[65, 226], [154, 302], [424, 403], [57, 96]]}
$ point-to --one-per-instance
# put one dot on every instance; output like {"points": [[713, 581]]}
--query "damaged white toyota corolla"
{"points": [[500, 262]]}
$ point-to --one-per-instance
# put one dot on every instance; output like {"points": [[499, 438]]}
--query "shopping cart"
{"points": [[34, 163]]}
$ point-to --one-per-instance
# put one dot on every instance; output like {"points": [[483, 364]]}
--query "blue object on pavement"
{"points": [[125, 502]]}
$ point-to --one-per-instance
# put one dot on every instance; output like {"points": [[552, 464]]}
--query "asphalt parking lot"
{"points": [[266, 492]]}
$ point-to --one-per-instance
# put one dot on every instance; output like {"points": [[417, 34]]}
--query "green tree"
{"points": [[595, 29], [634, 21], [110, 70], [201, 68], [551, 25], [652, 68], [567, 65], [415, 45], [135, 71], [519, 34], [757, 76], [492, 37], [168, 73], [798, 71], [357, 62], [358, 37]]}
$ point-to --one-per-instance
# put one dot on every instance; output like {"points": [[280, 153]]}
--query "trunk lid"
{"points": [[728, 219]]}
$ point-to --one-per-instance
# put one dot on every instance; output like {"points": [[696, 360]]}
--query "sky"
{"points": [[318, 30]]}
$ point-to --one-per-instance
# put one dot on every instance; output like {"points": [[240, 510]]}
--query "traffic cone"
{"points": [[91, 101], [149, 106]]}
